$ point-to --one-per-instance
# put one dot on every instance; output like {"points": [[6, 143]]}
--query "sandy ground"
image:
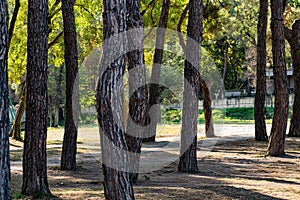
{"points": [[231, 166]]}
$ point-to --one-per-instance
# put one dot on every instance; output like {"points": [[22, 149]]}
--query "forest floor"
{"points": [[232, 166]]}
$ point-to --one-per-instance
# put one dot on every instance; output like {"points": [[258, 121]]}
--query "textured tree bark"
{"points": [[115, 159], [35, 180], [278, 131], [138, 93], [60, 99], [68, 156], [294, 42], [260, 96], [5, 191], [156, 68], [188, 150], [15, 131], [209, 125]]}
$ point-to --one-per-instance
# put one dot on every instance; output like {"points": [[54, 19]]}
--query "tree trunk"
{"points": [[5, 191], [188, 150], [13, 21], [15, 131], [35, 180], [155, 74], [278, 131], [115, 159], [259, 103], [55, 117], [68, 156], [60, 98], [209, 126], [295, 51], [138, 93], [225, 65]]}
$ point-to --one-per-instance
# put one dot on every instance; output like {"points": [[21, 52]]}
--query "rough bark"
{"points": [[188, 150], [138, 93], [209, 126], [294, 42], [35, 182], [15, 131], [5, 191], [179, 32], [68, 156], [260, 96], [155, 74], [279, 125], [115, 159]]}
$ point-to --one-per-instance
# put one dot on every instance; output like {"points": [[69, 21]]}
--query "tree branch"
{"points": [[148, 6], [53, 10], [180, 36], [13, 21], [82, 6], [288, 34], [51, 13], [56, 40], [149, 32], [152, 19]]}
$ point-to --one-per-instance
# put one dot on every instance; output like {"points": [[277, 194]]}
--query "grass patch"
{"points": [[54, 142], [18, 196], [220, 116]]}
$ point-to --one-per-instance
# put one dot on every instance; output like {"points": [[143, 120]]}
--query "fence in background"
{"points": [[242, 102]]}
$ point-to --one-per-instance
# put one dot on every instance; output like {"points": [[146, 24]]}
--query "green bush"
{"points": [[229, 115], [87, 118], [240, 113], [171, 115]]}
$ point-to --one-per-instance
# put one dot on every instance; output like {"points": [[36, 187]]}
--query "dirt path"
{"points": [[230, 167]]}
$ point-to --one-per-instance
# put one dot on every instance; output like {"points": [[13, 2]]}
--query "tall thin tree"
{"points": [[35, 180], [279, 125], [156, 69], [68, 156], [138, 93], [115, 159], [188, 151], [260, 96], [293, 37], [5, 191], [203, 88]]}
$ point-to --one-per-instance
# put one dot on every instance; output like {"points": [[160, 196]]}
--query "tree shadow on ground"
{"points": [[231, 172]]}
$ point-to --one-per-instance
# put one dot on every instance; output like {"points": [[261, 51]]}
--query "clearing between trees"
{"points": [[233, 169]]}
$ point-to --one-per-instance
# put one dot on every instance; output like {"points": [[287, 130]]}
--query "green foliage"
{"points": [[240, 113], [18, 47], [228, 115], [171, 116], [294, 3], [225, 22], [87, 118], [232, 24], [88, 74], [19, 196]]}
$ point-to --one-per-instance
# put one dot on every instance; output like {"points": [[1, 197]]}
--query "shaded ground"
{"points": [[232, 170]]}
